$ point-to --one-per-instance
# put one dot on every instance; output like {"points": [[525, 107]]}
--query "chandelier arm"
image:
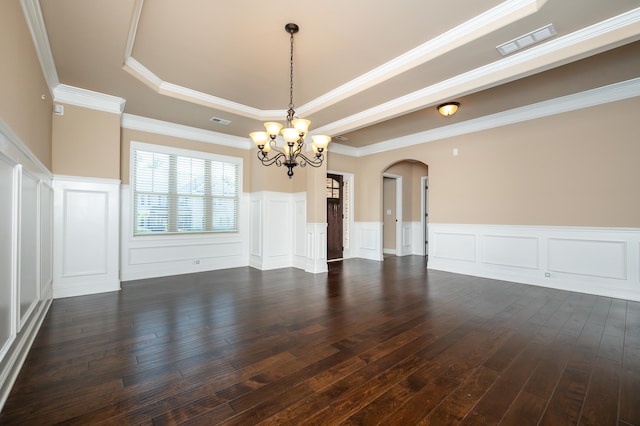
{"points": [[267, 161], [315, 162]]}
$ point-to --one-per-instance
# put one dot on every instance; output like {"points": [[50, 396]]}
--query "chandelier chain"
{"points": [[291, 106], [290, 153]]}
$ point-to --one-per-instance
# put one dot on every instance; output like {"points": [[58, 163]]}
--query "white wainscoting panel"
{"points": [[278, 233], [454, 246], [285, 239], [301, 230], [367, 240], [511, 250], [86, 236], [417, 239], [601, 261], [29, 256], [255, 228], [86, 232], [406, 239], [316, 248], [46, 237], [276, 239], [151, 256], [607, 259], [25, 252], [8, 252]]}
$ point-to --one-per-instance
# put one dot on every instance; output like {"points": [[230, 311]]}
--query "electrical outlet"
{"points": [[547, 274]]}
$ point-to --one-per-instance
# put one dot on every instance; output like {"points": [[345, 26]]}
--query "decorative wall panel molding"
{"points": [[568, 255], [367, 240], [28, 255], [255, 228], [85, 225], [46, 236], [300, 238], [86, 216], [25, 253], [513, 251], [277, 221], [454, 246], [163, 255], [407, 239], [8, 252], [601, 261], [417, 239], [316, 237]]}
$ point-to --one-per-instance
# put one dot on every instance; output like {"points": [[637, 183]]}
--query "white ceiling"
{"points": [[370, 71]]}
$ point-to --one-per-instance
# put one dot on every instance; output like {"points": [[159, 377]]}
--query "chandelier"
{"points": [[290, 154]]}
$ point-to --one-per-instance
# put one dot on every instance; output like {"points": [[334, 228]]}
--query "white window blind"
{"points": [[183, 191]]}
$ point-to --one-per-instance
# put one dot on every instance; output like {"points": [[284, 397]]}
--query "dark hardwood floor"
{"points": [[369, 342]]}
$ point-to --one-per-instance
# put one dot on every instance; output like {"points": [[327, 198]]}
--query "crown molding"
{"points": [[35, 23], [580, 43], [145, 75], [497, 17], [136, 122], [601, 95], [500, 16], [88, 99]]}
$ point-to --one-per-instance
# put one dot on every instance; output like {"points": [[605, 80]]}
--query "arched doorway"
{"points": [[405, 209]]}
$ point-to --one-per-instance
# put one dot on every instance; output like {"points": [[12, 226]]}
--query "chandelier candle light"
{"points": [[290, 153]]}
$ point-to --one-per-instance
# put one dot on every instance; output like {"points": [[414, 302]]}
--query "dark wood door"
{"points": [[334, 217]]}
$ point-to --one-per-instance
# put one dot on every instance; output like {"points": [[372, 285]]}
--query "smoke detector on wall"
{"points": [[527, 40]]}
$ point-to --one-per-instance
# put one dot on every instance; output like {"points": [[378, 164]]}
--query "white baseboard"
{"points": [[600, 261], [82, 289]]}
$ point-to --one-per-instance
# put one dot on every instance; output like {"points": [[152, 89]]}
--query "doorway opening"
{"points": [[392, 214], [335, 217], [405, 209], [339, 188]]}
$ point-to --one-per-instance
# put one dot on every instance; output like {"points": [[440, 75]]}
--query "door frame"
{"points": [[347, 251], [399, 245], [424, 213]]}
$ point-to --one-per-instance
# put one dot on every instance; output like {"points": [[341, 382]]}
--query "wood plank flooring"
{"points": [[367, 343]]}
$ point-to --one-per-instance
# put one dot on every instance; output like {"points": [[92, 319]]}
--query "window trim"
{"points": [[170, 150]]}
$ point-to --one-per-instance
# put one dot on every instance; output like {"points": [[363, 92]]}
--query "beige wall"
{"points": [[271, 178], [22, 84], [86, 143], [316, 193], [574, 169]]}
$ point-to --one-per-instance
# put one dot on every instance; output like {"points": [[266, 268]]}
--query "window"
{"points": [[180, 191]]}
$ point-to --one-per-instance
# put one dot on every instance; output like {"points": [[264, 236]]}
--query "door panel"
{"points": [[334, 216]]}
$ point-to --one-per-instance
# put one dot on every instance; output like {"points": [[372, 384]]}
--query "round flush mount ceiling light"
{"points": [[448, 109]]}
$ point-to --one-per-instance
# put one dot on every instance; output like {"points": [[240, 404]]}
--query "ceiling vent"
{"points": [[341, 138], [527, 40], [217, 120]]}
